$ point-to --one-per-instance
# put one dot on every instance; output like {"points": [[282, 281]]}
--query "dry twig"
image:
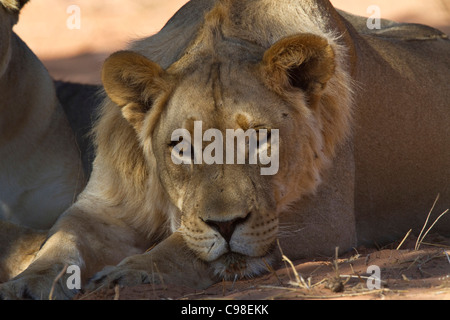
{"points": [[50, 296]]}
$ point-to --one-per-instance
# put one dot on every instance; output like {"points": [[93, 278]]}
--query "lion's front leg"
{"points": [[82, 243], [169, 262], [46, 278]]}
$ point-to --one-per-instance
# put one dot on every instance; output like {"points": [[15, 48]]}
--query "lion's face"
{"points": [[228, 207], [229, 210]]}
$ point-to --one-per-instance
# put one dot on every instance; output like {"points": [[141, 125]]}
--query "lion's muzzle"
{"points": [[226, 228], [233, 244]]}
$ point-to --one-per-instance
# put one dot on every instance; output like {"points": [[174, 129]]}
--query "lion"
{"points": [[40, 170], [362, 119]]}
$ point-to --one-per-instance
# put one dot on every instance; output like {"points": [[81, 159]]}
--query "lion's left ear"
{"points": [[133, 82], [303, 61]]}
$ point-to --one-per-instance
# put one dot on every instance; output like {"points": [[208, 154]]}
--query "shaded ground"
{"points": [[404, 274]]}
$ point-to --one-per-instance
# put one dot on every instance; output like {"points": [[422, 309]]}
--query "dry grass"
{"points": [[420, 238]]}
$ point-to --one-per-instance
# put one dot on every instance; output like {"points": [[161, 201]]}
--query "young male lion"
{"points": [[363, 146]]}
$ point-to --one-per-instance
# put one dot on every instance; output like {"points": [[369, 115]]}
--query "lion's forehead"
{"points": [[225, 101]]}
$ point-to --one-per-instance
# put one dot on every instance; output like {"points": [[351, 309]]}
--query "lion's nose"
{"points": [[226, 228]]}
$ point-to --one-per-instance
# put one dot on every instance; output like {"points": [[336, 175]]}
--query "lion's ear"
{"points": [[303, 61], [133, 82]]}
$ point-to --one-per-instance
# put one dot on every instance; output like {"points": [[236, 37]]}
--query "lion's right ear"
{"points": [[133, 82]]}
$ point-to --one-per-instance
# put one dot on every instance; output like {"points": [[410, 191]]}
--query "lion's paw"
{"points": [[37, 286], [111, 276]]}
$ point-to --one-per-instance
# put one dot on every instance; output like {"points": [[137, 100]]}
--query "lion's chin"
{"points": [[231, 266]]}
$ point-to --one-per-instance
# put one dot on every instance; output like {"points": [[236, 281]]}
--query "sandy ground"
{"points": [[404, 274], [108, 25]]}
